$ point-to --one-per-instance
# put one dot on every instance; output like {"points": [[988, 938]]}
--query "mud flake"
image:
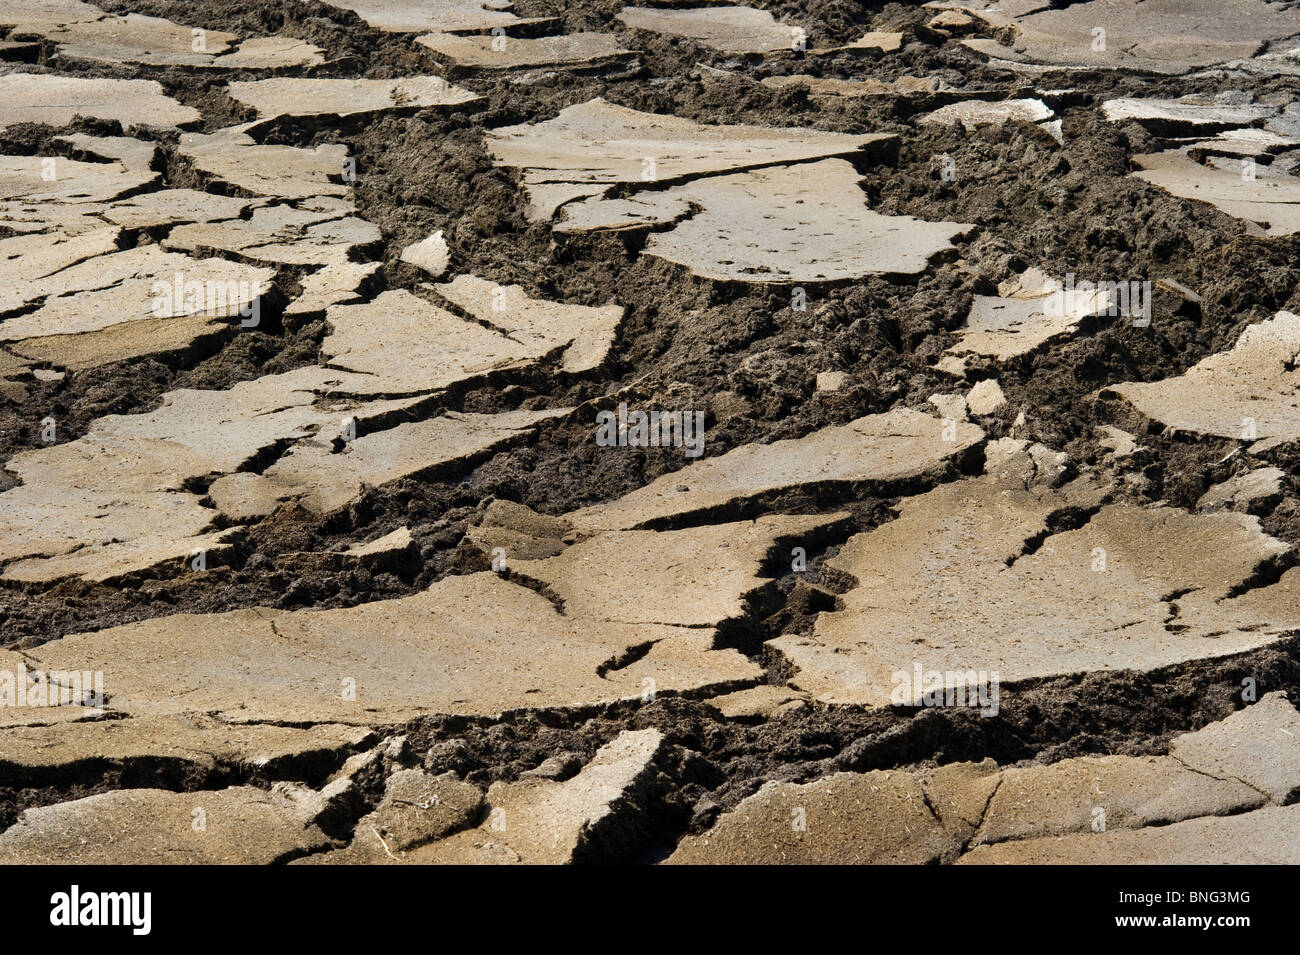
{"points": [[322, 481], [486, 53], [430, 254], [385, 662], [421, 16], [243, 825], [729, 29], [1247, 392], [1244, 492], [337, 283], [1158, 36], [973, 114], [985, 607], [131, 286], [591, 146], [1269, 201], [544, 822], [702, 574], [871, 818], [174, 206], [1036, 802], [282, 234], [198, 740], [232, 156], [416, 808], [588, 332], [1007, 327], [1258, 745], [832, 87], [791, 224], [24, 178], [134, 38], [298, 97], [894, 446], [56, 100], [400, 343], [1263, 837]]}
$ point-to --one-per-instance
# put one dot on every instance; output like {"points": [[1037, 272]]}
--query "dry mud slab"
{"points": [[465, 431]]}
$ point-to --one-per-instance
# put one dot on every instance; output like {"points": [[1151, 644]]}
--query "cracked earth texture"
{"points": [[971, 534]]}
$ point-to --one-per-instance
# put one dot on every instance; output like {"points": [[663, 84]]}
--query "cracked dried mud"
{"points": [[463, 431]]}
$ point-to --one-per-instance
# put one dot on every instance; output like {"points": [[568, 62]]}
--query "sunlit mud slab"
{"points": [[417, 808], [289, 96], [520, 532], [1095, 809], [383, 661], [512, 53], [321, 233], [729, 29], [132, 153], [1266, 197], [1263, 837], [91, 312], [876, 818], [1157, 36], [1250, 491], [248, 826], [149, 210], [402, 343], [233, 157], [1248, 393], [831, 87], [51, 180], [562, 821], [789, 224], [26, 259], [323, 479], [32, 17], [544, 817], [898, 445], [84, 208], [716, 567], [741, 30], [588, 331], [1030, 312], [442, 16], [994, 588], [154, 41], [56, 100], [648, 484], [37, 754], [884, 41], [65, 519], [976, 113], [1182, 116], [337, 283], [592, 146]]}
